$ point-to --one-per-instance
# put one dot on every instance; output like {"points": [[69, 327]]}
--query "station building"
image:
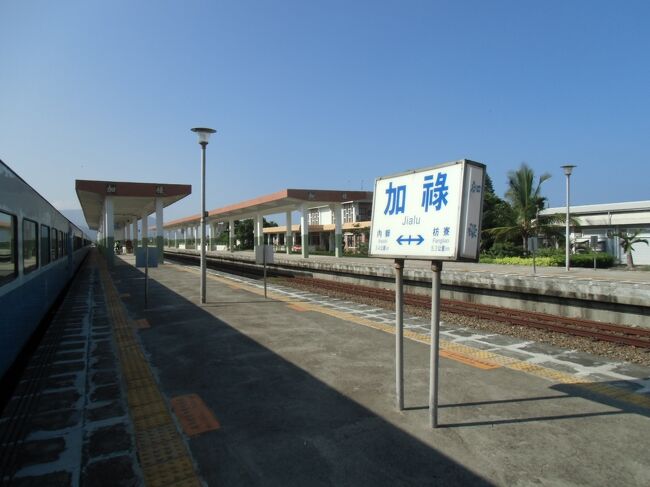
{"points": [[355, 228], [599, 225], [328, 220]]}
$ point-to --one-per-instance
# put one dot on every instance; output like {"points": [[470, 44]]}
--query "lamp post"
{"points": [[568, 169], [204, 136]]}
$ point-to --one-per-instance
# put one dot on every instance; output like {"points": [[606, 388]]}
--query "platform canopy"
{"points": [[608, 214], [282, 201], [130, 200]]}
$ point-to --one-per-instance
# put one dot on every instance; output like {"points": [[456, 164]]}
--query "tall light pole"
{"points": [[204, 136], [568, 169]]}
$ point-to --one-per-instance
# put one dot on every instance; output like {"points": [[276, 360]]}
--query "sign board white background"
{"points": [[431, 214]]}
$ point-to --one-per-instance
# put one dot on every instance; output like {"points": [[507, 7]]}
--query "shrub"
{"points": [[554, 259], [603, 260], [504, 249], [550, 252], [527, 261]]}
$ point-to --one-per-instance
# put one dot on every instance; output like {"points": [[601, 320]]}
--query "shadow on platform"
{"points": [[280, 424]]}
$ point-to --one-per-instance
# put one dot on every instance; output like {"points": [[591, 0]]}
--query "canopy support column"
{"points": [[304, 230], [110, 230], [160, 231], [288, 236]]}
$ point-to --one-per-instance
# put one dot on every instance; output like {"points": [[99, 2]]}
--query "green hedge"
{"points": [[603, 260], [504, 249], [541, 261]]}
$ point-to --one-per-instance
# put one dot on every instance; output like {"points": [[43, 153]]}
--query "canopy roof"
{"points": [[629, 206], [285, 200], [608, 214], [130, 200]]}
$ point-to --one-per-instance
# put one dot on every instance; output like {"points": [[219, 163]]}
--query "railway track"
{"points": [[622, 335]]}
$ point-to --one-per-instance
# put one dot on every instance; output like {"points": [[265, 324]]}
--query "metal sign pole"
{"points": [[264, 262], [534, 264], [436, 268], [399, 332], [431, 214], [146, 274]]}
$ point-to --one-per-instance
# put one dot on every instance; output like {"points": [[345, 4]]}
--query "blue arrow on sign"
{"points": [[401, 239]]}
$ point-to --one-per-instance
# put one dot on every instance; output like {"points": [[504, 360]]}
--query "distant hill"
{"points": [[77, 217]]}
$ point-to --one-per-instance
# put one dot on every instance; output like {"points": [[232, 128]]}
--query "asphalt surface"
{"points": [[307, 398], [298, 389]]}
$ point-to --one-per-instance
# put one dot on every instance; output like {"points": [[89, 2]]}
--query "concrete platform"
{"points": [[612, 296], [68, 421], [304, 396], [297, 390]]}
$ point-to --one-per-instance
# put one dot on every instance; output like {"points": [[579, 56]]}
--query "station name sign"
{"points": [[429, 214]]}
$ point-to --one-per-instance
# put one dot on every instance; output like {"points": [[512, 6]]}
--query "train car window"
{"points": [[45, 245], [8, 261], [54, 246], [30, 245], [61, 244]]}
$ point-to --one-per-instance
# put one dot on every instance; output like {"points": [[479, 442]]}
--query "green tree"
{"points": [[244, 232], [496, 213], [627, 242], [268, 223], [525, 198]]}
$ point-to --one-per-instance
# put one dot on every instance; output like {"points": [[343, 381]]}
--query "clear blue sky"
{"points": [[324, 94]]}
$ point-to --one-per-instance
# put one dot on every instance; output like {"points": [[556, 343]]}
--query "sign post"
{"points": [[145, 259], [264, 255], [399, 332], [434, 355], [264, 259], [429, 214], [533, 245]]}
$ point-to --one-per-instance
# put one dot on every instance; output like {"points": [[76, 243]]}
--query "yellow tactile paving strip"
{"points": [[462, 353], [163, 455]]}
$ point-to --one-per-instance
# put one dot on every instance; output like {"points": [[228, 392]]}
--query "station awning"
{"points": [[285, 200], [130, 200]]}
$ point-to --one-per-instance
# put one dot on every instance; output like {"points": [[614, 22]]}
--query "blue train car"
{"points": [[40, 250]]}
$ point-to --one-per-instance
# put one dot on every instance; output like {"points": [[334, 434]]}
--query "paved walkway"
{"points": [[68, 421], [303, 391], [475, 346], [298, 389]]}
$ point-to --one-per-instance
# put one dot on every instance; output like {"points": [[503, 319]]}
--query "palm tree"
{"points": [[627, 242], [525, 198]]}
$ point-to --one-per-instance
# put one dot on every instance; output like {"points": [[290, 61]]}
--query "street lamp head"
{"points": [[568, 169], [204, 134]]}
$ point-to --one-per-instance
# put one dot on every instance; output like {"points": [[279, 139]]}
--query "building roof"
{"points": [[631, 213], [630, 206], [285, 200], [130, 200]]}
